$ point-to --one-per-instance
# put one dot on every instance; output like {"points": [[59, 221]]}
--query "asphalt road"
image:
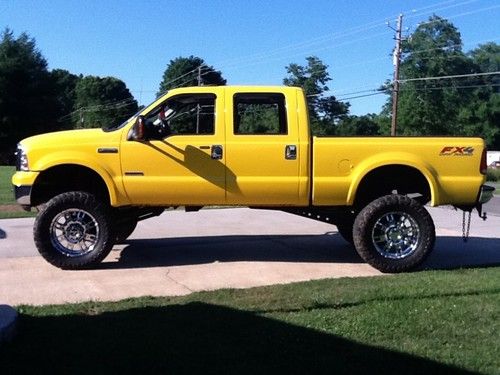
{"points": [[493, 206], [178, 253]]}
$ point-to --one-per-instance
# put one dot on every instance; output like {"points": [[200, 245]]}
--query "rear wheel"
{"points": [[73, 231], [394, 233]]}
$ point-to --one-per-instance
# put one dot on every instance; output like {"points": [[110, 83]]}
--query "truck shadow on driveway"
{"points": [[161, 252], [452, 252], [449, 253]]}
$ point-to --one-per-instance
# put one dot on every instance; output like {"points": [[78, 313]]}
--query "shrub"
{"points": [[493, 175]]}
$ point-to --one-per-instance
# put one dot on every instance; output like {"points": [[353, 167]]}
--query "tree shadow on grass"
{"points": [[195, 338]]}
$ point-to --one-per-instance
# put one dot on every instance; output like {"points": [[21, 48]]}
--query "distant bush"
{"points": [[493, 175]]}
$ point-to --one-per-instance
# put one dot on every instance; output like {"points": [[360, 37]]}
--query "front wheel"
{"points": [[394, 233], [73, 231]]}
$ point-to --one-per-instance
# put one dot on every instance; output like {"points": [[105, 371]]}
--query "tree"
{"points": [[359, 125], [487, 58], [102, 102], [184, 71], [431, 107], [27, 104], [481, 114], [64, 85], [324, 111]]}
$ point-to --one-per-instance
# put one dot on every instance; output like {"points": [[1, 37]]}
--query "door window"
{"points": [[259, 114], [183, 115]]}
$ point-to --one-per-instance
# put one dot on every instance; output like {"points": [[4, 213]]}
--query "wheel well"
{"points": [[394, 178], [69, 177]]}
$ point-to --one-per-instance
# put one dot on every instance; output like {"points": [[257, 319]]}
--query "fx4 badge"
{"points": [[457, 151]]}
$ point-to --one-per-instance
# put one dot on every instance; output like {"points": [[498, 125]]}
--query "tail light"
{"points": [[484, 166]]}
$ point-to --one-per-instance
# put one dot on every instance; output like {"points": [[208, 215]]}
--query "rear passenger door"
{"points": [[262, 166]]}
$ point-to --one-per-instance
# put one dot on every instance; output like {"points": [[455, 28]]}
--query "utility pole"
{"points": [[395, 88], [198, 108], [199, 75]]}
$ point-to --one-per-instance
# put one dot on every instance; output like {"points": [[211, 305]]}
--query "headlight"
{"points": [[21, 159]]}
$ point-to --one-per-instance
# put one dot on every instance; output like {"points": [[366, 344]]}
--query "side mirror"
{"points": [[138, 131]]}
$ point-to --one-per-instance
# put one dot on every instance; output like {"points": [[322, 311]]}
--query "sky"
{"points": [[251, 42]]}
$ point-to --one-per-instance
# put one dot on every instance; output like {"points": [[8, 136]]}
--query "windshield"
{"points": [[119, 126]]}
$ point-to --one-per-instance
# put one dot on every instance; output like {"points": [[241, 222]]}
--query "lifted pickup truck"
{"points": [[248, 146]]}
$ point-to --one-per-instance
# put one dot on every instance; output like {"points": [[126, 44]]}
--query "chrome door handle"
{"points": [[291, 152], [217, 152]]}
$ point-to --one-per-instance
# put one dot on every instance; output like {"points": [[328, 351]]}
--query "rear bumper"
{"points": [[485, 194]]}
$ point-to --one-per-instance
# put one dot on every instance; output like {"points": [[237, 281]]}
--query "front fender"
{"points": [[110, 172]]}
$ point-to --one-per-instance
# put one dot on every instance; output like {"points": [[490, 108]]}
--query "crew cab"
{"points": [[242, 146]]}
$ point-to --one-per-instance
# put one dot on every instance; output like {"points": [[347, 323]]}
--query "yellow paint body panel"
{"points": [[79, 147], [179, 170], [339, 165]]}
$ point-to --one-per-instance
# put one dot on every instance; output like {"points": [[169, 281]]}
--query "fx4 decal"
{"points": [[457, 151]]}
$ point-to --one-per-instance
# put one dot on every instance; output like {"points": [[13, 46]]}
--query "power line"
{"points": [[449, 87], [461, 14], [337, 35], [361, 96], [185, 74], [265, 55], [448, 77], [257, 62], [416, 14]]}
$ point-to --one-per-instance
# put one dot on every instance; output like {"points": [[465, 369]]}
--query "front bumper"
{"points": [[23, 195], [485, 194], [23, 183]]}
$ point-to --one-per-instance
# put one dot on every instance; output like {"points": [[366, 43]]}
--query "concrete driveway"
{"points": [[178, 253]]}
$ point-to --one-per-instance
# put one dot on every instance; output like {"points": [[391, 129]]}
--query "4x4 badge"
{"points": [[457, 151]]}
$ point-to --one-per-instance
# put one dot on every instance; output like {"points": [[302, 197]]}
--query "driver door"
{"points": [[183, 161]]}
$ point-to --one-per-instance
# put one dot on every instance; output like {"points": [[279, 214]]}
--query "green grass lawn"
{"points": [[435, 322], [7, 196]]}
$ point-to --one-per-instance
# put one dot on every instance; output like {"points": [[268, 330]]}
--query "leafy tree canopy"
{"points": [[27, 103], [183, 72], [359, 125], [64, 85], [102, 102], [324, 111], [430, 107]]}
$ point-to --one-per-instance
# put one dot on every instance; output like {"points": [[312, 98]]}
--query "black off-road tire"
{"points": [[91, 211], [124, 229], [422, 233]]}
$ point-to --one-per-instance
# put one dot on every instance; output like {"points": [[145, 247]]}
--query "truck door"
{"points": [[262, 155], [183, 160]]}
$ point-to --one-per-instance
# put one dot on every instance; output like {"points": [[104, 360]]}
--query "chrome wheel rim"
{"points": [[396, 235], [74, 232]]}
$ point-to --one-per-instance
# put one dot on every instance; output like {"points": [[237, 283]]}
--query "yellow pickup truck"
{"points": [[245, 146]]}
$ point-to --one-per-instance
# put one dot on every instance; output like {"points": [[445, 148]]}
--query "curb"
{"points": [[8, 323]]}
